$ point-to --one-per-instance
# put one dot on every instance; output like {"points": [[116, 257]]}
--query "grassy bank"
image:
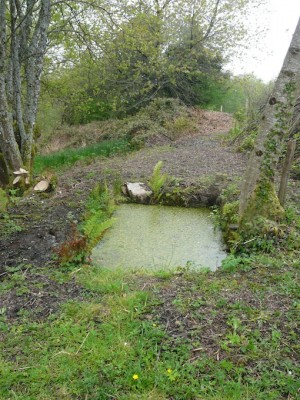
{"points": [[68, 157], [188, 335]]}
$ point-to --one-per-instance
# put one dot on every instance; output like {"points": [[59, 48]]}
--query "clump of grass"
{"points": [[68, 157]]}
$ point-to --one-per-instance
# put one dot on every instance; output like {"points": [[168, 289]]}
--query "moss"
{"points": [[4, 176], [264, 204]]}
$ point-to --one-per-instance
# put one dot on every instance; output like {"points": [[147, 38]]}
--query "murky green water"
{"points": [[158, 237]]}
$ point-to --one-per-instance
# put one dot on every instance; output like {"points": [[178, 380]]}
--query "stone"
{"points": [[138, 191]]}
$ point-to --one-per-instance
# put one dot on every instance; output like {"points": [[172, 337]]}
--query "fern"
{"points": [[97, 220], [100, 200], [94, 229], [157, 181], [99, 209]]}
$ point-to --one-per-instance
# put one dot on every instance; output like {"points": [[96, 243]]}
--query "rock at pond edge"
{"points": [[137, 191]]}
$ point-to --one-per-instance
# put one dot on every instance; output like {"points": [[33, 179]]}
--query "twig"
{"points": [[21, 369], [249, 241], [82, 343], [73, 354], [198, 349], [76, 270]]}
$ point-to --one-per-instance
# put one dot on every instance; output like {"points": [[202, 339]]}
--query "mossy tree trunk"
{"points": [[258, 196]]}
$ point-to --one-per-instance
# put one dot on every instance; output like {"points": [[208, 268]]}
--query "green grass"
{"points": [[92, 349], [68, 157]]}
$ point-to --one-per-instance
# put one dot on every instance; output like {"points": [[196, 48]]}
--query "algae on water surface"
{"points": [[157, 237]]}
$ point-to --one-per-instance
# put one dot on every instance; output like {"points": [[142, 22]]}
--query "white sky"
{"points": [[266, 55]]}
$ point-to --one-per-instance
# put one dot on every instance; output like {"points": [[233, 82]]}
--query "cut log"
{"points": [[42, 186], [17, 179], [21, 171]]}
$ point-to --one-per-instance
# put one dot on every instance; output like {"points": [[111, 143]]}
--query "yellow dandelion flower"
{"points": [[169, 371], [135, 377]]}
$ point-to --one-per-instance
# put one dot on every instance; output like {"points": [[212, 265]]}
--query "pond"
{"points": [[160, 237]]}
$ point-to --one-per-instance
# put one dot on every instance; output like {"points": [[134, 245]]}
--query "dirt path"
{"points": [[189, 159]]}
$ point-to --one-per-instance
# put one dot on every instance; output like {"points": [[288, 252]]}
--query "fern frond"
{"points": [[157, 180]]}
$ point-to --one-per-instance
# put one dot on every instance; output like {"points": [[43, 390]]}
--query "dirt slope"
{"points": [[202, 154]]}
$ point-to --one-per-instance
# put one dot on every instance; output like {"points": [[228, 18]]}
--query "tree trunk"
{"points": [[258, 196], [33, 71], [8, 145], [23, 42]]}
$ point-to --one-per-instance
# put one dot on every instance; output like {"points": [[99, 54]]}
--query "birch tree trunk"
{"points": [[23, 41], [8, 145], [258, 196]]}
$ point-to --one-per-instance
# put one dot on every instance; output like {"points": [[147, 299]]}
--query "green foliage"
{"points": [[233, 263], [157, 181], [162, 118], [247, 143], [295, 171], [140, 58], [226, 215], [96, 220], [246, 97], [68, 157], [3, 202], [264, 200], [8, 225]]}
